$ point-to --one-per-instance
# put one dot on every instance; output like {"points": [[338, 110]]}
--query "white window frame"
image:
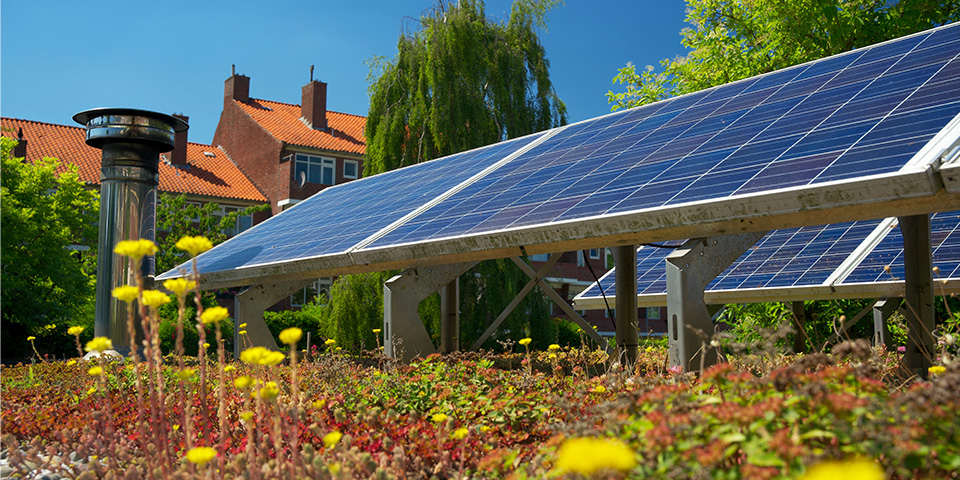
{"points": [[309, 164], [243, 222], [594, 254], [356, 169], [653, 313], [320, 286]]}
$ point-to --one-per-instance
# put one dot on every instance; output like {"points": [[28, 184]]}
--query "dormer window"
{"points": [[314, 169], [351, 169]]}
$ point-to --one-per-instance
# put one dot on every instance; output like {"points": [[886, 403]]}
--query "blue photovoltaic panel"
{"points": [[337, 218], [864, 112], [794, 257], [945, 239]]}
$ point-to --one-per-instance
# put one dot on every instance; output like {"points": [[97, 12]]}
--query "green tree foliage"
{"points": [[49, 243], [462, 80], [733, 39], [176, 218]]}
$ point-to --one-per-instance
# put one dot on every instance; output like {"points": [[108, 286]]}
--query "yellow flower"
{"points": [[75, 331], [525, 341], [71, 363], [261, 356], [135, 249], [937, 369], [318, 404], [589, 455], [242, 325], [855, 469], [242, 332], [439, 418], [155, 298], [99, 344], [246, 416], [206, 345], [229, 368], [31, 338], [552, 356], [179, 286], [186, 373], [329, 342], [334, 468], [460, 433], [600, 389], [269, 391], [554, 346], [242, 382], [95, 371], [92, 391], [126, 293], [201, 455], [376, 331], [332, 438], [291, 336], [194, 245], [214, 315], [176, 426]]}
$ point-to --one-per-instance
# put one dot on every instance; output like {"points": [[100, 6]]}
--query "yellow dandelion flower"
{"points": [[855, 469], [376, 331], [291, 336], [329, 342], [242, 332], [261, 356], [243, 382], [588, 456], [439, 418], [525, 341], [229, 368], [31, 338], [554, 346], [460, 433], [99, 344], [937, 369], [269, 391], [242, 325], [194, 245], [75, 331], [332, 438], [179, 286], [71, 363], [126, 293], [186, 373], [155, 298], [214, 315], [201, 455], [246, 416], [135, 249], [95, 371]]}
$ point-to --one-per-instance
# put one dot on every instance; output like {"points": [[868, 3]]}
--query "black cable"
{"points": [[586, 257], [660, 245]]}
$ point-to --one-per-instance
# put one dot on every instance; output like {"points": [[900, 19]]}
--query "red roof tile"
{"points": [[282, 120], [205, 175]]}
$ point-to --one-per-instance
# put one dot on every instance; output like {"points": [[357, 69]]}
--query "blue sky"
{"points": [[61, 57]]}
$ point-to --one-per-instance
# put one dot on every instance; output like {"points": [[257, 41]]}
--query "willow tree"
{"points": [[733, 39], [462, 80]]}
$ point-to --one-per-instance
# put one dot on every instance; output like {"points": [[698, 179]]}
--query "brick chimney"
{"points": [[20, 150], [313, 104], [178, 156], [237, 87]]}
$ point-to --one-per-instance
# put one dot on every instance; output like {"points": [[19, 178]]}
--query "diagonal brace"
{"points": [[249, 306]]}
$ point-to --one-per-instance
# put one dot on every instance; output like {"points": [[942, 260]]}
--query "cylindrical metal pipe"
{"points": [[132, 141]]}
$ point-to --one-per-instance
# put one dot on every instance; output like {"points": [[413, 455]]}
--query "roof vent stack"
{"points": [[20, 150], [178, 157], [237, 87], [313, 103]]}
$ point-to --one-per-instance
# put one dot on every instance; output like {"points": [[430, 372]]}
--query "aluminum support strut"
{"points": [[689, 269], [628, 338], [450, 317], [918, 289], [249, 306], [404, 334]]}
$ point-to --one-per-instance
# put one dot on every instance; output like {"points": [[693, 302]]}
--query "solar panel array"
{"points": [[807, 257], [865, 112]]}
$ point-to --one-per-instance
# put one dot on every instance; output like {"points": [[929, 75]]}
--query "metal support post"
{"points": [[689, 270], [918, 298], [882, 310], [450, 317], [248, 307], [799, 322], [628, 338], [404, 333]]}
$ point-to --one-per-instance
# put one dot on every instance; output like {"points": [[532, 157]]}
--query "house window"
{"points": [[653, 313], [314, 169], [594, 254], [581, 262], [319, 288], [540, 257], [350, 169], [242, 222]]}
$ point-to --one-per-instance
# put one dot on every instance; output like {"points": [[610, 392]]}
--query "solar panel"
{"points": [[868, 111], [339, 217]]}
